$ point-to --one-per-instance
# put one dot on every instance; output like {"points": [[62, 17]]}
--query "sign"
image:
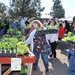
{"points": [[16, 64]]}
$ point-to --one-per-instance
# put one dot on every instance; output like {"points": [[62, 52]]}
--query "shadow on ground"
{"points": [[63, 47], [58, 68], [38, 72]]}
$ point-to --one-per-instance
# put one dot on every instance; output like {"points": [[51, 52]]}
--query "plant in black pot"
{"points": [[24, 70], [22, 48]]}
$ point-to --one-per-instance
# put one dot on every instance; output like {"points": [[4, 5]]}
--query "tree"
{"points": [[2, 9], [57, 9], [25, 8], [74, 19]]}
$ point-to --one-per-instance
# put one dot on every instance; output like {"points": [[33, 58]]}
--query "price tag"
{"points": [[16, 64]]}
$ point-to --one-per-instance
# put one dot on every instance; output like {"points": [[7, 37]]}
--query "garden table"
{"points": [[30, 59]]}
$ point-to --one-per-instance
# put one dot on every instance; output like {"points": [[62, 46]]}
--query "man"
{"points": [[12, 24], [22, 24]]}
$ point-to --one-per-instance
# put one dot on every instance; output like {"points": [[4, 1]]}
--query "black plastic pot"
{"points": [[7, 55]]}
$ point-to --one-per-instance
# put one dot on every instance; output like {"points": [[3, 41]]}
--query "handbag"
{"points": [[47, 49]]}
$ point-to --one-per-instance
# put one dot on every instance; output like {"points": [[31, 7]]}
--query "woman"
{"points": [[60, 32], [38, 43], [74, 28], [67, 27], [54, 38]]}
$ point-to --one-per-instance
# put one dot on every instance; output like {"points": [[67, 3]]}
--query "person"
{"points": [[22, 24], [67, 27], [71, 56], [2, 27], [7, 23], [74, 28], [31, 26], [60, 32], [12, 24], [52, 24], [71, 60], [63, 24], [53, 38], [38, 43], [27, 27]]}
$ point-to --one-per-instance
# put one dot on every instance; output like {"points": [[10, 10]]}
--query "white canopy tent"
{"points": [[63, 19]]}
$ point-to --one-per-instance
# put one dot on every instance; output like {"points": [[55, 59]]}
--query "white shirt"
{"points": [[52, 37], [30, 39], [22, 23]]}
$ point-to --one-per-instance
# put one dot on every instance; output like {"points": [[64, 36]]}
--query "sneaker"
{"points": [[50, 55], [47, 70]]}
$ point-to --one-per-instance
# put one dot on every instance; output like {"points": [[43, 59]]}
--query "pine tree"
{"points": [[2, 9], [25, 8], [57, 9]]}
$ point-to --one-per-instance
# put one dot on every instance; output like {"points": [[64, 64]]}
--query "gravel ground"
{"points": [[57, 66]]}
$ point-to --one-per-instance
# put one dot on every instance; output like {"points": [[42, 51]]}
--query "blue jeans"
{"points": [[23, 31], [71, 58], [44, 58], [70, 72]]}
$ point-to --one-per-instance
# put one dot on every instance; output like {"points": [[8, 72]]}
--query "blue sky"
{"points": [[68, 5]]}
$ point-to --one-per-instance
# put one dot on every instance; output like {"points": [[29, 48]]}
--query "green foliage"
{"points": [[25, 8], [64, 39], [71, 38], [10, 40], [15, 33], [70, 34], [22, 48], [57, 9], [8, 43], [24, 70], [2, 24], [52, 27], [12, 31], [0, 45], [2, 9], [27, 26]]}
